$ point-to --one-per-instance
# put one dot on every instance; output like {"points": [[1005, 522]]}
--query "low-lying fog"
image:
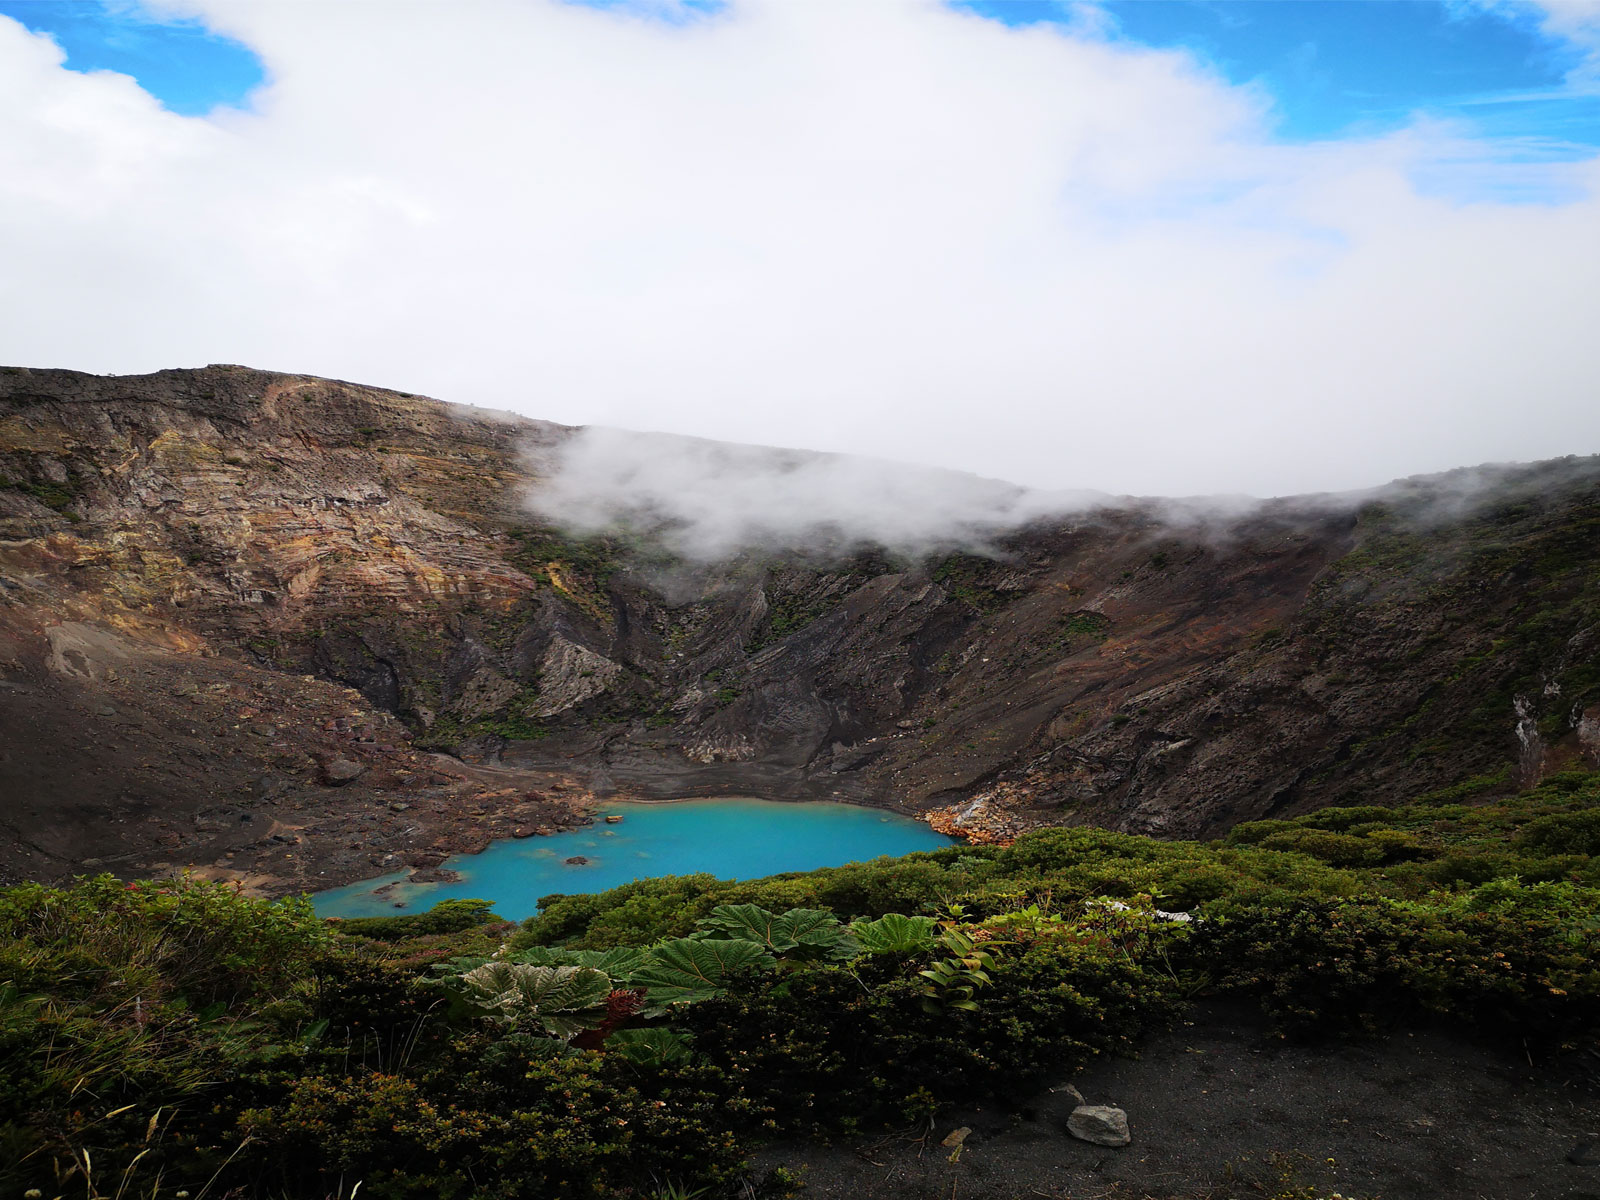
{"points": [[708, 500]]}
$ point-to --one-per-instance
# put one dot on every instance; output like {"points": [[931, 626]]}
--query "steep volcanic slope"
{"points": [[197, 566], [160, 538]]}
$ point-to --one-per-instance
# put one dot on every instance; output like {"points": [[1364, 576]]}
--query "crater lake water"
{"points": [[728, 838]]}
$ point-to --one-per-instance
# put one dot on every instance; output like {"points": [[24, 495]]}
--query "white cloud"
{"points": [[890, 228], [709, 499], [1574, 22]]}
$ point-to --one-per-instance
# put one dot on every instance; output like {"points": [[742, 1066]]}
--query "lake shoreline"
{"points": [[731, 837]]}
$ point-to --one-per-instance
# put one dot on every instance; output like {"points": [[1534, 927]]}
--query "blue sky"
{"points": [[1351, 67], [189, 69], [1332, 68]]}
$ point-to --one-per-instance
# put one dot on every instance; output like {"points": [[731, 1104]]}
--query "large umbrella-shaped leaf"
{"points": [[563, 1000], [893, 933], [650, 1047], [684, 970], [808, 933], [619, 962], [749, 921], [817, 934]]}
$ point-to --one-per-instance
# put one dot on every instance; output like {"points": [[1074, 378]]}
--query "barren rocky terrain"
{"points": [[299, 632]]}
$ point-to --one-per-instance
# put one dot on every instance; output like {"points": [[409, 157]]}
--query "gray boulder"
{"points": [[341, 771], [1100, 1124]]}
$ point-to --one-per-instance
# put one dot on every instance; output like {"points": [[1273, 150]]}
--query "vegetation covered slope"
{"points": [[174, 1036], [215, 583]]}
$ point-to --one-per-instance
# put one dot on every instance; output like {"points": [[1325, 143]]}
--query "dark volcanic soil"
{"points": [[1223, 1108]]}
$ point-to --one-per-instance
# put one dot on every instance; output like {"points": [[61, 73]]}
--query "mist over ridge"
{"points": [[709, 500]]}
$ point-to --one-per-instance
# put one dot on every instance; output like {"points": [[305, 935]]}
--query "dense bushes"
{"points": [[1564, 833], [1062, 864], [502, 1120], [1047, 1007], [1345, 919], [447, 916], [122, 1004], [184, 1033], [202, 941], [1510, 960], [637, 1041], [468, 1081]]}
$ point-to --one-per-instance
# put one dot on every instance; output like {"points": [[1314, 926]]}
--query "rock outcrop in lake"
{"points": [[241, 612]]}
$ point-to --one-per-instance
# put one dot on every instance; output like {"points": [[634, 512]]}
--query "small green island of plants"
{"points": [[171, 1038]]}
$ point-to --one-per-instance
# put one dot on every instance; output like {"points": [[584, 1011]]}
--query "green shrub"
{"points": [[123, 1002], [1250, 833], [1344, 820], [1564, 833], [182, 937], [650, 909], [447, 916], [1397, 845], [632, 915], [505, 1123], [830, 1047], [1343, 967], [1336, 849], [1513, 960]]}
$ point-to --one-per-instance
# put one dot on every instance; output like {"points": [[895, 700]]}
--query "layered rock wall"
{"points": [[300, 538]]}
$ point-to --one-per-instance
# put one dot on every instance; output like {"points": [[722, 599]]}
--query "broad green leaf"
{"points": [[650, 1047], [748, 921], [814, 934], [893, 933], [563, 1000], [685, 970], [619, 962], [804, 933], [314, 1031]]}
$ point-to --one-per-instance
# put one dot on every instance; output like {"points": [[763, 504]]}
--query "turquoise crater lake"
{"points": [[731, 839]]}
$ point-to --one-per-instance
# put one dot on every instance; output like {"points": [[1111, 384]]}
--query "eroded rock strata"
{"points": [[302, 631]]}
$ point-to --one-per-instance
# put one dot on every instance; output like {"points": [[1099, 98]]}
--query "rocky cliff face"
{"points": [[221, 588]]}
